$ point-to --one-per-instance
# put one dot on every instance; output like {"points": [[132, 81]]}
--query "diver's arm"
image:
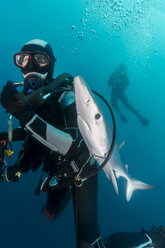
{"points": [[53, 138], [48, 135]]}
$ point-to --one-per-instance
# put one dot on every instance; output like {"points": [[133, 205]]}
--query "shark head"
{"points": [[90, 117], [87, 107]]}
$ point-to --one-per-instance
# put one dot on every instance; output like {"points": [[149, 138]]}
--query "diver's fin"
{"points": [[130, 239], [47, 214], [52, 211], [111, 176], [133, 185]]}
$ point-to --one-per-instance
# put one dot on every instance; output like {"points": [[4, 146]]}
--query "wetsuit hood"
{"points": [[41, 46]]}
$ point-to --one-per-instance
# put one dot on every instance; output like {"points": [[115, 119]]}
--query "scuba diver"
{"points": [[51, 139], [119, 82]]}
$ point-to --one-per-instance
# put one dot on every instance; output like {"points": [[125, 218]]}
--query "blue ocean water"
{"points": [[91, 38]]}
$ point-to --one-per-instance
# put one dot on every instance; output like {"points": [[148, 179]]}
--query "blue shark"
{"points": [[97, 134]]}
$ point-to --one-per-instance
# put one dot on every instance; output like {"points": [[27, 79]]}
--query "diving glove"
{"points": [[7, 94], [8, 100], [12, 174]]}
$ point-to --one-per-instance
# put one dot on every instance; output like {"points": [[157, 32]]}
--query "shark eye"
{"points": [[97, 116]]}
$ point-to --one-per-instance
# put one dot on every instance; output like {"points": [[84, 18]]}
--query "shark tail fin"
{"points": [[134, 184], [111, 176]]}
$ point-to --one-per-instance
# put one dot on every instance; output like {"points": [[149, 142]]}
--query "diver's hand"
{"points": [[32, 100], [7, 94], [8, 100]]}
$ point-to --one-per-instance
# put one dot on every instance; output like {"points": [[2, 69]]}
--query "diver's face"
{"points": [[33, 68]]}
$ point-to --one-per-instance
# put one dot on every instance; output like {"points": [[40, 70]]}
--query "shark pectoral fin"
{"points": [[111, 176], [134, 184], [129, 190], [117, 174]]}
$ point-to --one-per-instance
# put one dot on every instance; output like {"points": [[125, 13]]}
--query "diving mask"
{"points": [[40, 59]]}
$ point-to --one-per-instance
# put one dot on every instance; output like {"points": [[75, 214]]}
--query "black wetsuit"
{"points": [[84, 197], [35, 153]]}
